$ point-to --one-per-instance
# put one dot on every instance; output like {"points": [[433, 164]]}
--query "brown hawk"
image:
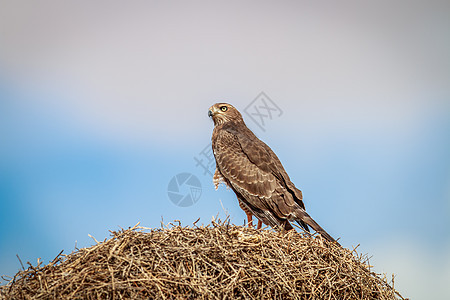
{"points": [[255, 174]]}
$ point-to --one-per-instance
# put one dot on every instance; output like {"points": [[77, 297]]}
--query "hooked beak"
{"points": [[210, 113]]}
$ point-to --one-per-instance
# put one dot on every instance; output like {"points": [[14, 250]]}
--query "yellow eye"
{"points": [[223, 108]]}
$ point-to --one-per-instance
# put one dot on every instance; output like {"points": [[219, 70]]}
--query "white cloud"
{"points": [[151, 69]]}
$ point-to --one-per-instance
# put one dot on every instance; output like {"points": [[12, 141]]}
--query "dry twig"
{"points": [[217, 261]]}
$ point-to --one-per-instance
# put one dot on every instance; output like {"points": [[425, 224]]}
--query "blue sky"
{"points": [[101, 107]]}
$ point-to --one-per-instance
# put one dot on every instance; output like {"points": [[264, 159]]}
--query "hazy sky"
{"points": [[101, 104]]}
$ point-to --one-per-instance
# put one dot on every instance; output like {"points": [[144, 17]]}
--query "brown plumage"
{"points": [[253, 171]]}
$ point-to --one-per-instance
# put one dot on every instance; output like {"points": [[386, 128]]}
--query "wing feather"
{"points": [[234, 165], [249, 173], [263, 157]]}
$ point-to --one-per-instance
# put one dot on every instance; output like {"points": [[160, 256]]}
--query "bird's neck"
{"points": [[230, 124]]}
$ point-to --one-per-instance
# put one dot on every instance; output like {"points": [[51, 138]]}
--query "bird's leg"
{"points": [[259, 224], [250, 220]]}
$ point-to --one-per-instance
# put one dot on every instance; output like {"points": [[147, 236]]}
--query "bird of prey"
{"points": [[255, 174]]}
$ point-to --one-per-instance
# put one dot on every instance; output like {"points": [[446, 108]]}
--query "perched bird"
{"points": [[255, 174]]}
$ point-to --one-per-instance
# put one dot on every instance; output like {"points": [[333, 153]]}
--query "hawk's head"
{"points": [[224, 112]]}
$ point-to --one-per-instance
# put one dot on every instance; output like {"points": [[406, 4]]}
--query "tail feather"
{"points": [[303, 225], [302, 216]]}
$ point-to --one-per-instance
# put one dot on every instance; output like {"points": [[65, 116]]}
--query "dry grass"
{"points": [[217, 261]]}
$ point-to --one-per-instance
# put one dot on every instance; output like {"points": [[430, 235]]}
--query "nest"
{"points": [[217, 261]]}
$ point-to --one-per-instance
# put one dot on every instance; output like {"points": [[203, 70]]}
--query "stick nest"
{"points": [[217, 261]]}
